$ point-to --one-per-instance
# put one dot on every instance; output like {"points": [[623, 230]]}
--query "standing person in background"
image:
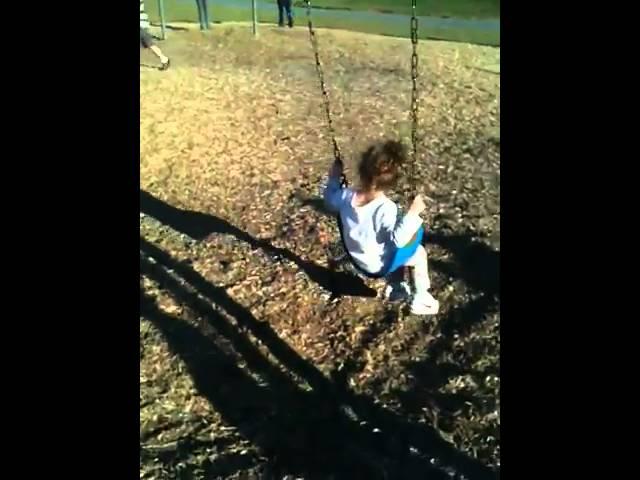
{"points": [[203, 14], [284, 6]]}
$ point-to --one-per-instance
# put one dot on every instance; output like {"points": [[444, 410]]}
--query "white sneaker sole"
{"points": [[425, 309]]}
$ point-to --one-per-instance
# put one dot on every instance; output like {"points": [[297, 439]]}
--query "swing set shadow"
{"points": [[327, 430], [200, 226]]}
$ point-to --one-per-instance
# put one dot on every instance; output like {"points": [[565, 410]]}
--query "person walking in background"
{"points": [[285, 6]]}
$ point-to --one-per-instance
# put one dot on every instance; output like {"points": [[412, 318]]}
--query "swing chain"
{"points": [[414, 91], [327, 106]]}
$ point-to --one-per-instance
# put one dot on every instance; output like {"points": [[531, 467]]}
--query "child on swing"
{"points": [[372, 232]]}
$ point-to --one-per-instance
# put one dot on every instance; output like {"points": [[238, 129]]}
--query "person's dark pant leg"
{"points": [[199, 7], [203, 14], [284, 7], [287, 7], [205, 10], [281, 13]]}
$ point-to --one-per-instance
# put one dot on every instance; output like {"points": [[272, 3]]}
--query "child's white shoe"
{"points": [[424, 304], [397, 291]]}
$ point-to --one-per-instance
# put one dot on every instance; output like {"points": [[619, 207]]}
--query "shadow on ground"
{"points": [[171, 27], [200, 226], [326, 431], [314, 202], [152, 67], [478, 266], [474, 262]]}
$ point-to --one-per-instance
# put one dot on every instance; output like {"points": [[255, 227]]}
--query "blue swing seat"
{"points": [[403, 254]]}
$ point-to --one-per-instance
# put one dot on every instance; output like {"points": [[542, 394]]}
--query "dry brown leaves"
{"points": [[235, 130]]}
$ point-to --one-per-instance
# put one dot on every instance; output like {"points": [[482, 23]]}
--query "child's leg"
{"points": [[397, 289], [158, 53], [418, 261], [423, 303], [396, 276], [147, 42]]}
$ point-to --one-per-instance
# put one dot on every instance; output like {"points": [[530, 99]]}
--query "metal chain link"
{"points": [[327, 105], [414, 95]]}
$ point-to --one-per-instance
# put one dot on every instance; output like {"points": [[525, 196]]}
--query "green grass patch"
{"points": [[187, 12], [434, 8]]}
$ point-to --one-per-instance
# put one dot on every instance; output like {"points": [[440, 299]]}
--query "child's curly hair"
{"points": [[380, 164]]}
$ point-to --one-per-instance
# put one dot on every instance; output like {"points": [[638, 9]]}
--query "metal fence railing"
{"points": [[160, 12]]}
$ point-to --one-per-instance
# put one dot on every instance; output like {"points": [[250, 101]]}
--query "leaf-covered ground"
{"points": [[249, 366]]}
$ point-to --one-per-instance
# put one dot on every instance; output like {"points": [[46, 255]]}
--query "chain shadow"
{"points": [[230, 390], [431, 376], [478, 267], [223, 464], [199, 226], [304, 432], [364, 447], [474, 262]]}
